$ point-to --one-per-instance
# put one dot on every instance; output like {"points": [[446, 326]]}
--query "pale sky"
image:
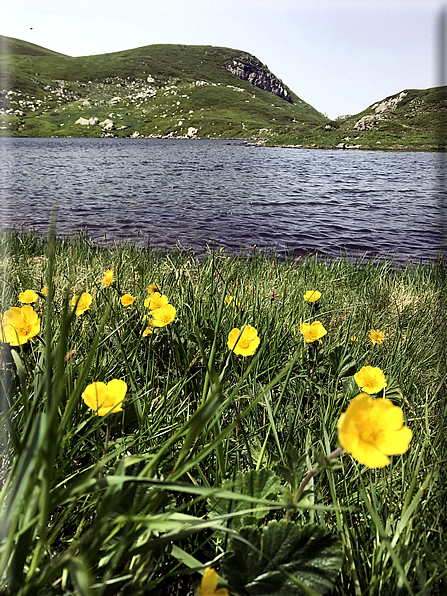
{"points": [[340, 56]]}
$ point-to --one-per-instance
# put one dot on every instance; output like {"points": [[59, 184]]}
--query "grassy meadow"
{"points": [[215, 459]]}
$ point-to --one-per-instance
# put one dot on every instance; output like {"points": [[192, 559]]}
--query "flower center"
{"points": [[23, 330], [244, 343], [369, 435]]}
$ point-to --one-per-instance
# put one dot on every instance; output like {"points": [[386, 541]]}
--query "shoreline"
{"points": [[261, 143]]}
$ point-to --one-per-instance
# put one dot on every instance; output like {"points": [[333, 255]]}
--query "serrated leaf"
{"points": [[284, 559], [392, 390], [259, 484]]}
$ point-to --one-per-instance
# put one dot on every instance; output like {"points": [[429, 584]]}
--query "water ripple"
{"points": [[227, 194]]}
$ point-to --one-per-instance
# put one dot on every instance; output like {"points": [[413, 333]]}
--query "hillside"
{"points": [[158, 90], [414, 119], [194, 91]]}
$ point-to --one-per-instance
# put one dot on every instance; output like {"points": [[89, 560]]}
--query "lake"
{"points": [[195, 193]]}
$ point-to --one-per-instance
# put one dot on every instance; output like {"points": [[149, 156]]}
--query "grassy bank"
{"points": [[218, 459]]}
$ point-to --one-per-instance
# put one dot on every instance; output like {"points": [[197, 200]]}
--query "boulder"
{"points": [[192, 132], [93, 121], [82, 121], [107, 124]]}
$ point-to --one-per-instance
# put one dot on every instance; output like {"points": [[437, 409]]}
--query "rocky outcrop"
{"points": [[383, 110], [252, 70]]}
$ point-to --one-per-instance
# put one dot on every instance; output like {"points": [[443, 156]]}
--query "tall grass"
{"points": [[205, 465]]}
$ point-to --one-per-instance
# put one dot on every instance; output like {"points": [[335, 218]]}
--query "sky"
{"points": [[340, 56]]}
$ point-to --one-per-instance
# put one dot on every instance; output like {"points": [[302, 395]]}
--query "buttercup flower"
{"points": [[231, 300], [370, 379], [156, 300], [147, 332], [44, 291], [107, 280], [152, 288], [162, 316], [19, 325], [84, 303], [208, 585], [248, 341], [127, 300], [372, 429], [28, 297], [312, 296], [104, 398], [376, 336], [354, 338], [312, 332]]}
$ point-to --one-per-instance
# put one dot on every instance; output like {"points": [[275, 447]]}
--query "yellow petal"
{"points": [[395, 442], [94, 394], [384, 414], [369, 455], [209, 580]]}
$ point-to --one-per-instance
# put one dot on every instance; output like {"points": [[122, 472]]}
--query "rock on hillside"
{"points": [[249, 68]]}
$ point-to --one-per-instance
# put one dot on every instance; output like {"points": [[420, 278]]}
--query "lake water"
{"points": [[224, 193]]}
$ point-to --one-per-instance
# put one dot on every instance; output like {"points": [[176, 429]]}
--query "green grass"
{"points": [[203, 465]]}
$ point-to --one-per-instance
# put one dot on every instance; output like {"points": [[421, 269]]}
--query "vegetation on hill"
{"points": [[191, 91]]}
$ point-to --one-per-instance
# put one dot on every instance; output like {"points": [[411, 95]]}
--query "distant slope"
{"points": [[158, 90], [11, 45], [414, 119]]}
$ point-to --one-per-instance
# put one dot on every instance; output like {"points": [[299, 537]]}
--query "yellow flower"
{"points": [[44, 291], [152, 288], [162, 316], [104, 398], [372, 429], [312, 332], [107, 280], [370, 379], [28, 297], [84, 303], [127, 300], [354, 338], [312, 296], [376, 336], [156, 300], [18, 325], [147, 332], [248, 341], [208, 585], [231, 300]]}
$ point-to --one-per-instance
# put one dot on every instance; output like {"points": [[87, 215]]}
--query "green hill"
{"points": [[156, 90], [414, 119], [195, 91]]}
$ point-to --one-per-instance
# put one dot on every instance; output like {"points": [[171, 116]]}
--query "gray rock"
{"points": [[258, 74]]}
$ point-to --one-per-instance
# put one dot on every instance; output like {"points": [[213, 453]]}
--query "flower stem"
{"points": [[108, 428], [173, 351], [310, 474]]}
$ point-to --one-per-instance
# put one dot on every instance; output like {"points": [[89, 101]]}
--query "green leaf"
{"points": [[259, 484], [350, 387], [283, 559], [392, 390], [343, 364]]}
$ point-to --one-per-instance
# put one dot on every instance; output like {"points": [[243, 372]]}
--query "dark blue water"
{"points": [[198, 192]]}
